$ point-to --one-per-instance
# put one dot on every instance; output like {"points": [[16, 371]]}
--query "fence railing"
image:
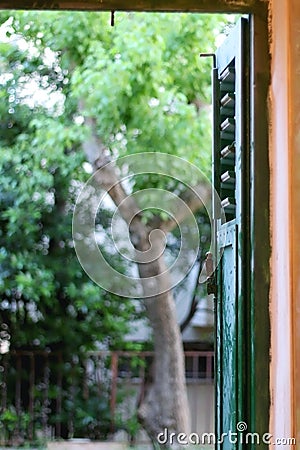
{"points": [[47, 395]]}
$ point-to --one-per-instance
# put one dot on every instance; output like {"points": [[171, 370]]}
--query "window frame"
{"points": [[259, 170]]}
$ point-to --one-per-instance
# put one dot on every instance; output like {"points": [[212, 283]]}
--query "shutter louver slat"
{"points": [[227, 140]]}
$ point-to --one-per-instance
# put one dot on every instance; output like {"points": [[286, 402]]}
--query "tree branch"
{"points": [[106, 175], [99, 157], [194, 199]]}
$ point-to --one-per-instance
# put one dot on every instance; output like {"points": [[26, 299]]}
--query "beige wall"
{"points": [[201, 401], [285, 218], [294, 127]]}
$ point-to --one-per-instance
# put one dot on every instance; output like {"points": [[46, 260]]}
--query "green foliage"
{"points": [[10, 421], [41, 277], [47, 300], [146, 89], [142, 80], [143, 84]]}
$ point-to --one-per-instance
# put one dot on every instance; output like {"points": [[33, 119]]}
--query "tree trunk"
{"points": [[165, 406]]}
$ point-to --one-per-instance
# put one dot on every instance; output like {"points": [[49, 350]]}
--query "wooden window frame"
{"points": [[259, 321], [204, 6]]}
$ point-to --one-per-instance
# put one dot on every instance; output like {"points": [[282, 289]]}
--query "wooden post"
{"points": [[31, 396], [113, 394], [59, 396]]}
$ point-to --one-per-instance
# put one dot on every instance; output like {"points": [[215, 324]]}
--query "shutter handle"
{"points": [[212, 55], [210, 280]]}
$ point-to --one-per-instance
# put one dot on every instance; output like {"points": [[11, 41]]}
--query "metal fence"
{"points": [[44, 394]]}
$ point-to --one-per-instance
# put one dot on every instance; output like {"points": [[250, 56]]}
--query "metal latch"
{"points": [[211, 279]]}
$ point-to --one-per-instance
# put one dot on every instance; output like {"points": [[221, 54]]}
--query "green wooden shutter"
{"points": [[231, 181]]}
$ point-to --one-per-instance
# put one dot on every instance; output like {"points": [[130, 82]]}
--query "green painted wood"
{"points": [[231, 180], [241, 172], [259, 319], [229, 355]]}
